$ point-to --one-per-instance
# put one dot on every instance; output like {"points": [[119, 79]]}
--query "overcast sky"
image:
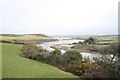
{"points": [[77, 17]]}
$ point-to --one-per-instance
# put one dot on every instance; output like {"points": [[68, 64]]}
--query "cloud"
{"points": [[59, 16]]}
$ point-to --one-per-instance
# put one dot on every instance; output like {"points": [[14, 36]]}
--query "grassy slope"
{"points": [[0, 61], [24, 37], [108, 39], [15, 66], [112, 38]]}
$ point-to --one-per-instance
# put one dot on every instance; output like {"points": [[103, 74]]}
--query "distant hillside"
{"points": [[40, 35], [16, 35], [24, 38], [10, 35]]}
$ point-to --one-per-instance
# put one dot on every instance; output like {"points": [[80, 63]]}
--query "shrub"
{"points": [[71, 58], [55, 57], [80, 42], [109, 65], [32, 51], [90, 40]]}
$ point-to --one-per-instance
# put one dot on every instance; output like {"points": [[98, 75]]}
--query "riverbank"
{"points": [[92, 50], [101, 43], [89, 48]]}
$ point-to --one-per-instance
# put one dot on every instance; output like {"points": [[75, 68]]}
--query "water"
{"points": [[91, 56], [60, 42], [67, 42]]}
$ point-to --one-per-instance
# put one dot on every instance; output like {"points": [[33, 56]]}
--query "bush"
{"points": [[93, 70], [109, 65], [71, 58], [90, 40], [6, 41], [31, 51], [80, 42], [55, 57]]}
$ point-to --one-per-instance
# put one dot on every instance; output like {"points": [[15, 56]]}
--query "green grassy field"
{"points": [[14, 66], [0, 61], [24, 37], [108, 39]]}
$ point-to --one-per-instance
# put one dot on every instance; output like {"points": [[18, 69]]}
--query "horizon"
{"points": [[65, 17], [60, 34]]}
